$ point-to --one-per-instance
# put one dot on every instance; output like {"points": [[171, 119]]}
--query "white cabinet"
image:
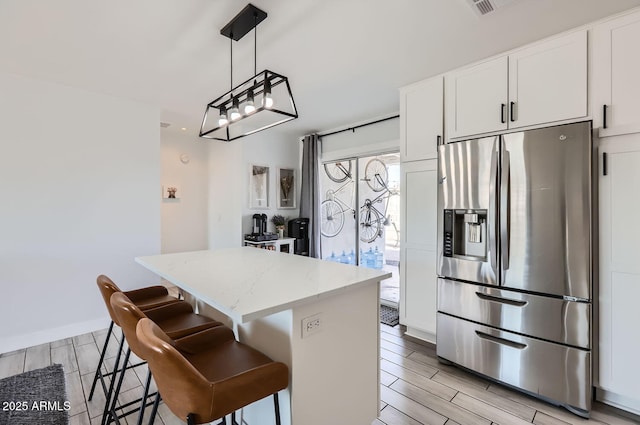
{"points": [[616, 76], [619, 375], [476, 99], [418, 280], [543, 83], [548, 81], [421, 119]]}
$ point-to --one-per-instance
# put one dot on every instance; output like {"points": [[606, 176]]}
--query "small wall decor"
{"points": [[258, 186], [170, 192], [286, 189]]}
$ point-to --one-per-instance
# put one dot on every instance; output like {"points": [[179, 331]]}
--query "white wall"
{"points": [[268, 148], [184, 220], [226, 194], [79, 175], [229, 214]]}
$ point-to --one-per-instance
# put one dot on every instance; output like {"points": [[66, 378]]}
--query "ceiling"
{"points": [[345, 59]]}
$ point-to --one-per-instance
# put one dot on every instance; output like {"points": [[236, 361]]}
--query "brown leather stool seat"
{"points": [[176, 320], [208, 375], [144, 298]]}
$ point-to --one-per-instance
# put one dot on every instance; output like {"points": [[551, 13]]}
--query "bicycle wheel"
{"points": [[338, 171], [376, 175], [370, 224], [331, 218]]}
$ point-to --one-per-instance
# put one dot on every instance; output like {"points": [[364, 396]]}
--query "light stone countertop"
{"points": [[249, 283]]}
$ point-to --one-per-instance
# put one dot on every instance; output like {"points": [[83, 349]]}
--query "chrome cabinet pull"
{"points": [[503, 119], [512, 111], [491, 213], [502, 341], [504, 209], [516, 303]]}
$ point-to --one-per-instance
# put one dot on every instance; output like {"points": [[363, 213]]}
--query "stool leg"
{"points": [[156, 402], [277, 408], [113, 380], [144, 397], [112, 409], [98, 372]]}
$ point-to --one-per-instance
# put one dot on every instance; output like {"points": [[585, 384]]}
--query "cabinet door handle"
{"points": [[439, 140], [604, 163], [503, 108], [512, 111], [604, 116]]}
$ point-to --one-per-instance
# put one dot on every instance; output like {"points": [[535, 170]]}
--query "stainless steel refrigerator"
{"points": [[515, 260]]}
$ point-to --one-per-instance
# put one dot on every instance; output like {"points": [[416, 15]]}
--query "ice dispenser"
{"points": [[465, 234]]}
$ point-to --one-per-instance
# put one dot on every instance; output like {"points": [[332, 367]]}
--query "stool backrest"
{"points": [[107, 289], [128, 316], [182, 387]]}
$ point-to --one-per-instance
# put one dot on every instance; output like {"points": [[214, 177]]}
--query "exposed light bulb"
{"points": [[222, 121], [249, 107], [267, 99], [235, 113]]}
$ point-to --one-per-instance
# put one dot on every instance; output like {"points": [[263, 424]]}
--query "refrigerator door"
{"points": [[467, 176], [545, 210]]}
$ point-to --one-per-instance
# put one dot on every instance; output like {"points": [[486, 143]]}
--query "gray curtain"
{"points": [[309, 193]]}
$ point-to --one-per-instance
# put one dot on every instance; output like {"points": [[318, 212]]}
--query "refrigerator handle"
{"points": [[504, 209], [491, 213]]}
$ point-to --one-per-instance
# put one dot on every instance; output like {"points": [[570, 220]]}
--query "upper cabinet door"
{"points": [[548, 81], [476, 99], [616, 76], [421, 119]]}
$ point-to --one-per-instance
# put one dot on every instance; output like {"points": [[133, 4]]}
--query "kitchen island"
{"points": [[319, 318]]}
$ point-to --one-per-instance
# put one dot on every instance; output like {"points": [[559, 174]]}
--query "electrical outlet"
{"points": [[312, 324]]}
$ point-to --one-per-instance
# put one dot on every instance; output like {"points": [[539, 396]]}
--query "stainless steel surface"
{"points": [[459, 164], [549, 218], [553, 319], [545, 369], [535, 189]]}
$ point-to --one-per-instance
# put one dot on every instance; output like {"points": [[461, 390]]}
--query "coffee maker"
{"points": [[259, 224]]}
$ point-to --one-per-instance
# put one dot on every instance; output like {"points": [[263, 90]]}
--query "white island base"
{"points": [[334, 366]]}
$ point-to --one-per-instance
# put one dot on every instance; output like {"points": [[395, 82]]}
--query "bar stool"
{"points": [[177, 320], [208, 375], [144, 298]]}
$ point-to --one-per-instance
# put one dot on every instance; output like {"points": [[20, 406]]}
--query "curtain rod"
{"points": [[358, 126]]}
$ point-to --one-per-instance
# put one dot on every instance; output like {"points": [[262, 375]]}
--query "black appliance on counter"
{"points": [[259, 230], [299, 229], [259, 224]]}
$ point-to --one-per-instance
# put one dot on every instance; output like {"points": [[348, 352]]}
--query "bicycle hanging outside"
{"points": [[333, 209], [371, 218]]}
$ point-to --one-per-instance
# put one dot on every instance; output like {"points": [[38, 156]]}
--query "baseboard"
{"points": [[417, 333], [18, 342], [621, 402]]}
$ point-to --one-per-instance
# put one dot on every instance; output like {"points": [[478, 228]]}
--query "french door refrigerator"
{"points": [[514, 287]]}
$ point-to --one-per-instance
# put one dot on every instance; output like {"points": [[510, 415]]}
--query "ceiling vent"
{"points": [[164, 124], [484, 7]]}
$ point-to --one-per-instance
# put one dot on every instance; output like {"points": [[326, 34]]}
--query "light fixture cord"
{"points": [[255, 43], [231, 44]]}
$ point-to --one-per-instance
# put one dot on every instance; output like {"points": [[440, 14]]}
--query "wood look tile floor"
{"points": [[415, 388]]}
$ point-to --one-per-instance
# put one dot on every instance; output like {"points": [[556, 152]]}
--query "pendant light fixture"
{"points": [[263, 101]]}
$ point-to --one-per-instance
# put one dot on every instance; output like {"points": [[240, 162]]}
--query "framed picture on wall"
{"points": [[258, 186], [286, 188]]}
